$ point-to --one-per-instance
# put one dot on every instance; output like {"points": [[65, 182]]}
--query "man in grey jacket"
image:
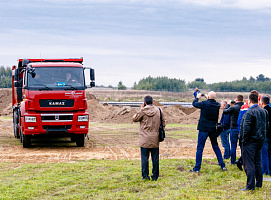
{"points": [[149, 118]]}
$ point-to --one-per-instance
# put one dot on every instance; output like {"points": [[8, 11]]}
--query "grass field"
{"points": [[121, 179]]}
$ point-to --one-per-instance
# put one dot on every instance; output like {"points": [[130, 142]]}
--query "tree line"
{"points": [[5, 77], [260, 83], [160, 83]]}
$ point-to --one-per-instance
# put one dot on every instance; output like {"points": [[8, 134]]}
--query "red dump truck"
{"points": [[49, 99]]}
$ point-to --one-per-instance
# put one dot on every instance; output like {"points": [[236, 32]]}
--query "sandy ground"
{"points": [[110, 142], [101, 145]]}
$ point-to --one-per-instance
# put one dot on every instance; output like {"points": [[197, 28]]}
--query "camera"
{"points": [[202, 95]]}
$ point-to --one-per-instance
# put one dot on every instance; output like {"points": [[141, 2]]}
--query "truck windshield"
{"points": [[57, 78]]}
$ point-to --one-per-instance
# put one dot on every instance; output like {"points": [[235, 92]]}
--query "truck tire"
{"points": [[16, 124], [20, 134], [73, 138], [80, 140], [26, 140]]}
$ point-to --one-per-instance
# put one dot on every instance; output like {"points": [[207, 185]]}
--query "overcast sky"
{"points": [[218, 40]]}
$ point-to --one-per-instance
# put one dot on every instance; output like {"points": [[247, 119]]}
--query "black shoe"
{"points": [[192, 170], [146, 178], [154, 178], [245, 189], [224, 169], [239, 164]]}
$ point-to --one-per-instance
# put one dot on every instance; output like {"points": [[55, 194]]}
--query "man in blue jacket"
{"points": [[207, 128], [196, 92], [225, 121]]}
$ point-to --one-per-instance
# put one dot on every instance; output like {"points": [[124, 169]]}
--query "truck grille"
{"points": [[56, 103], [56, 128], [63, 117]]}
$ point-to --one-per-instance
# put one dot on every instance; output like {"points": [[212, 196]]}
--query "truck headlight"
{"points": [[30, 119], [83, 118]]}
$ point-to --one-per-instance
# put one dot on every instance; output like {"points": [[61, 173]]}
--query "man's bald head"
{"points": [[212, 95]]}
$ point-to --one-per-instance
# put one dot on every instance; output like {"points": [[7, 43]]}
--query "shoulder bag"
{"points": [[162, 134]]}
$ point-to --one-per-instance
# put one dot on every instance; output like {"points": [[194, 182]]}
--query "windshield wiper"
{"points": [[71, 87], [45, 87]]}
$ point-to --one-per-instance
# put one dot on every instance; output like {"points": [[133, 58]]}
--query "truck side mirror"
{"points": [[92, 75], [17, 73], [92, 84], [16, 77]]}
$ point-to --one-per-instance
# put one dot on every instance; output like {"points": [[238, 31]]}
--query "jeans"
{"points": [[266, 157], [234, 139], [202, 137], [225, 143], [252, 162], [145, 153]]}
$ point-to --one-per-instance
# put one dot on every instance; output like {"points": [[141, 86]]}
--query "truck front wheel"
{"points": [[16, 124], [80, 140], [26, 140]]}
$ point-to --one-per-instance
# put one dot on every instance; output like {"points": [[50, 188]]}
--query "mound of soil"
{"points": [[90, 96], [186, 110], [156, 103], [114, 114], [124, 114], [6, 102]]}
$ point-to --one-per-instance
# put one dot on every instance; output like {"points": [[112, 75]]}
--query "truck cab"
{"points": [[49, 99]]}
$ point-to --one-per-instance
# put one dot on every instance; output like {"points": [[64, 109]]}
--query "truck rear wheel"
{"points": [[16, 124], [80, 140], [26, 140]]}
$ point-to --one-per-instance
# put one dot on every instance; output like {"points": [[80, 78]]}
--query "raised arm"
{"points": [[227, 109], [197, 104], [138, 116]]}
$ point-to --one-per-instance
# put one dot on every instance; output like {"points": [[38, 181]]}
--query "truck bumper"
{"points": [[55, 123]]}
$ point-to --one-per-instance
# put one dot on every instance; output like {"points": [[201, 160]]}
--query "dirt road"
{"points": [[106, 141]]}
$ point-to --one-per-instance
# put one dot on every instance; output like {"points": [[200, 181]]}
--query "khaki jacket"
{"points": [[149, 118]]}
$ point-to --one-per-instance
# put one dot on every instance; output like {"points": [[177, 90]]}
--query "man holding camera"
{"points": [[207, 128], [149, 118]]}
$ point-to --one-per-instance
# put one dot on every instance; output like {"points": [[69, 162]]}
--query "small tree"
{"points": [[135, 85], [121, 86]]}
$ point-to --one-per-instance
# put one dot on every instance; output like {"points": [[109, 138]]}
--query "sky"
{"points": [[127, 40]]}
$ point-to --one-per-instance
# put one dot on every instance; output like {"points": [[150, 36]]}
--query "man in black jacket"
{"points": [[234, 112], [207, 127], [266, 150], [253, 128]]}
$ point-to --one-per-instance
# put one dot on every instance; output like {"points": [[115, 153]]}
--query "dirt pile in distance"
{"points": [[114, 114], [124, 114], [5, 102]]}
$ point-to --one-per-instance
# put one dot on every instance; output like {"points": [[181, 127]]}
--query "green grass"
{"points": [[5, 117], [121, 179]]}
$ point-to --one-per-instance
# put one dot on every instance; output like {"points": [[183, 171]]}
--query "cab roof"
{"points": [[56, 62]]}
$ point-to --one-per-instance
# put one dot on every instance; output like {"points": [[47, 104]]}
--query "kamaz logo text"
{"points": [[57, 103]]}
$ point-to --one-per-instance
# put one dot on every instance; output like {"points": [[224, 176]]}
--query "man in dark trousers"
{"points": [[266, 150], [207, 128], [225, 121], [253, 128], [149, 118], [234, 112]]}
